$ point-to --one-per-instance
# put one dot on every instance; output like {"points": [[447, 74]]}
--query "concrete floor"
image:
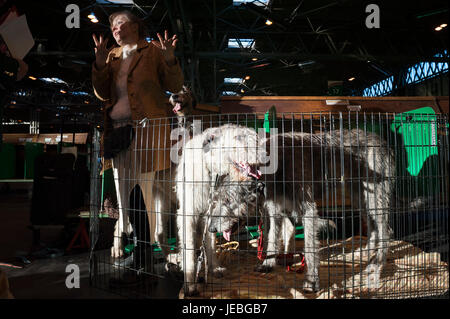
{"points": [[45, 278]]}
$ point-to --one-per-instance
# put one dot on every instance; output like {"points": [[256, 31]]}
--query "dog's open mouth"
{"points": [[177, 107], [227, 233]]}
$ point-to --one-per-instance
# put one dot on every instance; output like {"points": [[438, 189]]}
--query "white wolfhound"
{"points": [[212, 153]]}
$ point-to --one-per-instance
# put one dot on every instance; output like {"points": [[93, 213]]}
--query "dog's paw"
{"points": [[310, 285], [171, 267], [263, 268], [373, 276], [190, 290], [116, 250], [219, 272], [267, 265]]}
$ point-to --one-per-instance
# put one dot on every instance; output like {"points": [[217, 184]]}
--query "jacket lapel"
{"points": [[138, 55]]}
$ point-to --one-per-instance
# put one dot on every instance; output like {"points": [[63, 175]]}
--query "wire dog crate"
{"points": [[298, 205]]}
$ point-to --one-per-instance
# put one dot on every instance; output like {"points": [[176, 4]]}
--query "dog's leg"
{"points": [[311, 226], [272, 242], [152, 202], [378, 208], [123, 189], [162, 217], [288, 233], [213, 262], [186, 237]]}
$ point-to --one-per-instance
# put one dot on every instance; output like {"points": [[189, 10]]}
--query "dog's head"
{"points": [[232, 205], [183, 102], [229, 145]]}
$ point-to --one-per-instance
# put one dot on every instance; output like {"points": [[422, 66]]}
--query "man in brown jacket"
{"points": [[131, 80]]}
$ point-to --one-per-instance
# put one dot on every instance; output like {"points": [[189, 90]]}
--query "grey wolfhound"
{"points": [[309, 163]]}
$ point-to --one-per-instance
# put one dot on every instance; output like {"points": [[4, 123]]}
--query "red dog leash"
{"points": [[261, 255]]}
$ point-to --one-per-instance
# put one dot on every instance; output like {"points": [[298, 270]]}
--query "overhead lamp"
{"points": [[351, 79], [92, 16], [254, 59], [94, 20], [442, 26], [63, 92], [32, 78], [247, 78], [260, 65], [269, 22], [242, 91]]}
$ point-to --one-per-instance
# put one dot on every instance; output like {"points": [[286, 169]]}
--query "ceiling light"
{"points": [[260, 65], [254, 59], [94, 20], [242, 91], [32, 78], [443, 25], [306, 63], [268, 22], [62, 91], [438, 28], [92, 16], [247, 77], [351, 79]]}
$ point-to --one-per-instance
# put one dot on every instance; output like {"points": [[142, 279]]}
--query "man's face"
{"points": [[123, 30]]}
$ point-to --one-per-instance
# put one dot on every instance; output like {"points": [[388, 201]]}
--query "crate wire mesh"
{"points": [[168, 231]]}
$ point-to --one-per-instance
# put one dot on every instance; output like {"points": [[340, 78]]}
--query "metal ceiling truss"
{"points": [[292, 39]]}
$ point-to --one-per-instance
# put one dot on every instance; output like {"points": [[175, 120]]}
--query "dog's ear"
{"points": [[187, 90], [207, 141]]}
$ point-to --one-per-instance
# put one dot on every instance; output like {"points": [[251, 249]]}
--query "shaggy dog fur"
{"points": [[233, 204], [364, 170], [293, 191], [207, 155], [165, 207]]}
